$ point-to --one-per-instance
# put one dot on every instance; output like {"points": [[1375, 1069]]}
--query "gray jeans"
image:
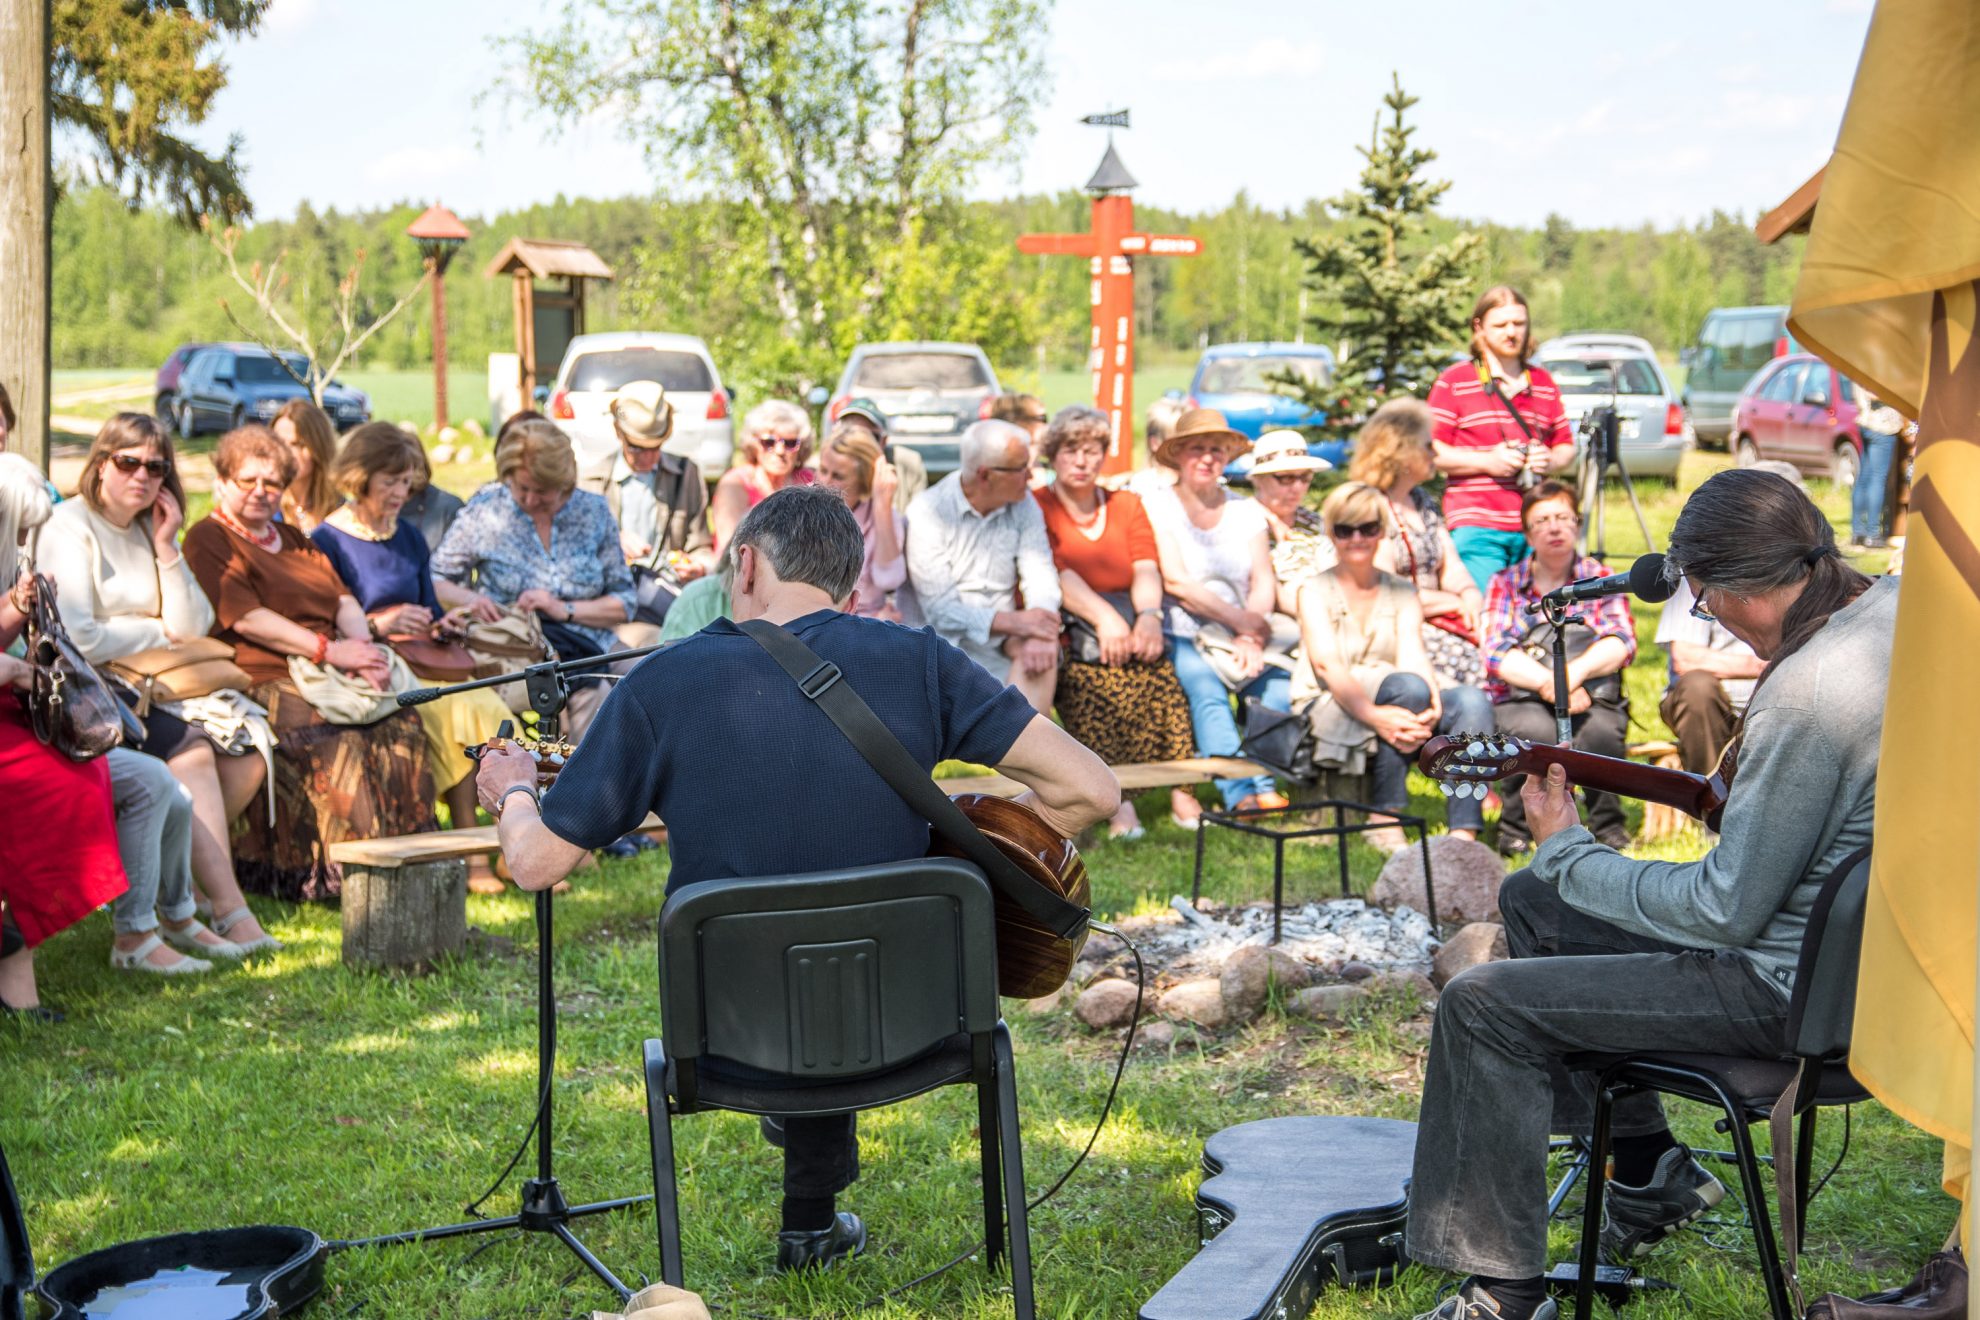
{"points": [[154, 838], [1495, 1087]]}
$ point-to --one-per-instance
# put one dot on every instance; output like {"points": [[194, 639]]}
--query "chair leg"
{"points": [[660, 1136], [1755, 1190], [987, 1117], [1013, 1159], [1596, 1175]]}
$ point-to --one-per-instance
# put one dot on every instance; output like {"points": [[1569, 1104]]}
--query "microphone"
{"points": [[1645, 580]]}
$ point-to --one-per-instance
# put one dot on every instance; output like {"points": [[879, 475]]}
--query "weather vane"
{"points": [[1108, 119]]}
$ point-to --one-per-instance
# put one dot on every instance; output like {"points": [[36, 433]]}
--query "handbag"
{"points": [[1538, 644], [1082, 639], [514, 641], [179, 672], [1218, 645], [430, 658], [70, 706], [341, 698], [1936, 1292], [655, 589], [1281, 740]]}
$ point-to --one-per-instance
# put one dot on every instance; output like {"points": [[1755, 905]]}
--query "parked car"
{"points": [[595, 367], [1235, 379], [227, 385], [930, 391], [1733, 343], [165, 390], [1650, 431], [1803, 411]]}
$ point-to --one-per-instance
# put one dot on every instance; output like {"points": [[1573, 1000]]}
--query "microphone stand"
{"points": [[544, 1208], [1555, 612]]}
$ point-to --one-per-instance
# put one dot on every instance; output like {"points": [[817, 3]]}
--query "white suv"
{"points": [[595, 367]]}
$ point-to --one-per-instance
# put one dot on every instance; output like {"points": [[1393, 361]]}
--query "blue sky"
{"points": [[1610, 113]]}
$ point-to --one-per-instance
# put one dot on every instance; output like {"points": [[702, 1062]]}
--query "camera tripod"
{"points": [[544, 1208], [1601, 427]]}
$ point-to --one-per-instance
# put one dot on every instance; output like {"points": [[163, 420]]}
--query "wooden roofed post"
{"points": [[25, 202], [527, 260]]}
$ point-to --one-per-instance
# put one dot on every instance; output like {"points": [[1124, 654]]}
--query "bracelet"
{"points": [[514, 789], [322, 649], [1146, 613]]}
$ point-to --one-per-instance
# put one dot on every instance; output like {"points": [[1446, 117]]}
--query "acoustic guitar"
{"points": [[1463, 763], [1031, 960]]}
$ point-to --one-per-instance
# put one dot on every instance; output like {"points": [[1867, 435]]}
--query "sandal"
{"points": [[186, 940], [41, 1013], [138, 960], [227, 921]]}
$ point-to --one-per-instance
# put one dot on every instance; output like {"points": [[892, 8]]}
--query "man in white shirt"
{"points": [[975, 539], [1711, 678]]}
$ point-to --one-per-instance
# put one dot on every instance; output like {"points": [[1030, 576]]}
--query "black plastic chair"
{"points": [[856, 989], [1815, 1052]]}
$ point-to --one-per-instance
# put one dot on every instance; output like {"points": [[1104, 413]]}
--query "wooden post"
{"points": [[25, 202], [404, 916], [439, 344]]}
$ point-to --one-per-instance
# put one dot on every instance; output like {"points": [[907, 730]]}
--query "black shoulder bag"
{"points": [[819, 680]]}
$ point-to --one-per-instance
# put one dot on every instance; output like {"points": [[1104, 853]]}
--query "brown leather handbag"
{"points": [[70, 706], [1936, 1292], [180, 672], [430, 658]]}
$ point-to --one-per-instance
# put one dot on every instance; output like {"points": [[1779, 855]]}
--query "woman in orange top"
{"points": [[1117, 691]]}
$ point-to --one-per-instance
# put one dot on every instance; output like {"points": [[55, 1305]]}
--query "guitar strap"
{"points": [[819, 680]]}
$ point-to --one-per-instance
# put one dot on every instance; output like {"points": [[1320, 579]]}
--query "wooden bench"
{"points": [[1660, 822], [1135, 776], [405, 898]]}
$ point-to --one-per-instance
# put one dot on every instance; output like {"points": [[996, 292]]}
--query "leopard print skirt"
{"points": [[1126, 713]]}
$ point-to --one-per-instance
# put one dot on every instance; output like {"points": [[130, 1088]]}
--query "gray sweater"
{"points": [[1801, 803]]}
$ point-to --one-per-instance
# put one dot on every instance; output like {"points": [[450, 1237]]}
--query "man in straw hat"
{"points": [[658, 499]]}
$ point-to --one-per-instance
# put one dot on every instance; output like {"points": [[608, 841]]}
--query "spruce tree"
{"points": [[1395, 303]]}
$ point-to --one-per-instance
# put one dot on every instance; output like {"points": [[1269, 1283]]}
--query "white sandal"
{"points": [[138, 960], [226, 922], [186, 940]]}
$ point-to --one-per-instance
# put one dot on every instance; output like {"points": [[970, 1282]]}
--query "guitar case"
{"points": [[1291, 1205]]}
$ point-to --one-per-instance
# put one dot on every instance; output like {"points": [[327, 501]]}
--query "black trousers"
{"points": [[1602, 729], [821, 1153]]}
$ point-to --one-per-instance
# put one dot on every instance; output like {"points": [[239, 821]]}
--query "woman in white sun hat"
{"points": [[1280, 480]]}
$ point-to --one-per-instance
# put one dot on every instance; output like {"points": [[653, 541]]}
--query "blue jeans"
{"points": [[1465, 708], [1210, 711], [1486, 550], [1866, 501]]}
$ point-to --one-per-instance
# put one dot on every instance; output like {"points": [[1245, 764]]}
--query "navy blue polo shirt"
{"points": [[750, 777]]}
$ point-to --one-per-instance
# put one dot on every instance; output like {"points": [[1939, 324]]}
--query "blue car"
{"points": [[1234, 379], [227, 385]]}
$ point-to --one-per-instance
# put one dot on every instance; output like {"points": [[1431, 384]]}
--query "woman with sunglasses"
{"points": [[276, 598], [776, 446], [1519, 668], [123, 587], [1376, 698]]}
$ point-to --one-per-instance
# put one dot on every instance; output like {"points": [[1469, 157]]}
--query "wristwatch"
{"points": [[514, 789]]}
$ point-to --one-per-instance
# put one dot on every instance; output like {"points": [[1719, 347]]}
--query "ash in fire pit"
{"points": [[1326, 936]]}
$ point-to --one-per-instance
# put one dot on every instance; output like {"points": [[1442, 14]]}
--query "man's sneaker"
{"points": [[1471, 1302], [1635, 1219], [819, 1249]]}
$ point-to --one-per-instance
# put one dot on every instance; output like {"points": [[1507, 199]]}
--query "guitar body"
{"points": [[1031, 960], [1293, 1204], [1463, 763]]}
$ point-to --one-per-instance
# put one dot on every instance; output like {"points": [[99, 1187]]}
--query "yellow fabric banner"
{"points": [[1887, 294]]}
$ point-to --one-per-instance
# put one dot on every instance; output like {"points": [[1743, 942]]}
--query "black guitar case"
{"points": [[1291, 1205]]}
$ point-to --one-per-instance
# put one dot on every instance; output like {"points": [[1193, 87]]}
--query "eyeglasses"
{"points": [[273, 485], [1555, 520], [1698, 610], [791, 442], [1347, 532], [130, 465], [1022, 467]]}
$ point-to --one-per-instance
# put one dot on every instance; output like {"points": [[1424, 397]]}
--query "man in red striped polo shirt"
{"points": [[1498, 426]]}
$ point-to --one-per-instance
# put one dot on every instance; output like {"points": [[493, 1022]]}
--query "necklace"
{"points": [[346, 519], [270, 540]]}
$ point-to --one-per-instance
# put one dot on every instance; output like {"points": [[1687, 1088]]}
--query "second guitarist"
{"points": [[1612, 954]]}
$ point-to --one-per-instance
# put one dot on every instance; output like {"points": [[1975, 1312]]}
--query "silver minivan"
{"points": [[1733, 344], [595, 367]]}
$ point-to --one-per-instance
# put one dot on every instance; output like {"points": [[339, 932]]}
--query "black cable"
{"points": [[1839, 1157], [1106, 1109], [473, 1208]]}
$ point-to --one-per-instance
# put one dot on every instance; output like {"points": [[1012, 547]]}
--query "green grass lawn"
{"points": [[355, 1104]]}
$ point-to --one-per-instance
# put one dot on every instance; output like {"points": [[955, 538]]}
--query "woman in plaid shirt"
{"points": [[1519, 672]]}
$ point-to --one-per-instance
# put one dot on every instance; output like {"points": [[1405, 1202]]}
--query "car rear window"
{"points": [[925, 371], [263, 370], [1591, 375], [1251, 375], [677, 372]]}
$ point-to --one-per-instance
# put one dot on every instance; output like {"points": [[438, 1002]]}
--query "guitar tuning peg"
{"points": [[1450, 790], [1475, 748]]}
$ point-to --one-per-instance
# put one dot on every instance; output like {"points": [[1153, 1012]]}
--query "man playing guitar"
{"points": [[753, 779], [1613, 954]]}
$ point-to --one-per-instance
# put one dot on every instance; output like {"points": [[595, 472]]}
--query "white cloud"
{"points": [[1268, 57]]}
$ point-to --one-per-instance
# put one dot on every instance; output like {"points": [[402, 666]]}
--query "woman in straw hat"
{"points": [[1281, 475], [1216, 559]]}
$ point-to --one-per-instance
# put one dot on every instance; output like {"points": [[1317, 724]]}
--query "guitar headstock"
{"points": [[550, 756], [1463, 764]]}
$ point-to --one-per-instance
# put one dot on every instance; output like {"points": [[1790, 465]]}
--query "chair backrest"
{"points": [[829, 974], [1823, 1005]]}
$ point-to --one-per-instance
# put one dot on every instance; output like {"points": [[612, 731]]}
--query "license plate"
{"points": [[925, 425]]}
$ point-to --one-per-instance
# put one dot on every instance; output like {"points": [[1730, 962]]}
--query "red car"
{"points": [[1800, 410]]}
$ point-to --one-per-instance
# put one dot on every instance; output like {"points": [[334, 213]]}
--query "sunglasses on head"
{"points": [[791, 442], [1348, 531], [131, 465]]}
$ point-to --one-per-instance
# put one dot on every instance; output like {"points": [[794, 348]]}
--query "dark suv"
{"points": [[226, 385]]}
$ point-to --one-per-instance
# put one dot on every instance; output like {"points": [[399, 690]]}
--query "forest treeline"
{"points": [[131, 284]]}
